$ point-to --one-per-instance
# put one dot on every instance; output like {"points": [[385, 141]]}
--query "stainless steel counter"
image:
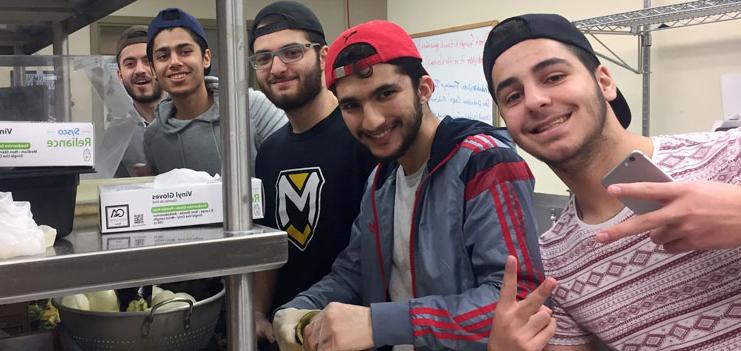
{"points": [[85, 260]]}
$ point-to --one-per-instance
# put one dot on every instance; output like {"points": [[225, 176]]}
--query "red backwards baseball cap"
{"points": [[390, 41]]}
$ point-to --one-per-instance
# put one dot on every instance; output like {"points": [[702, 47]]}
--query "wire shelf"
{"points": [[663, 17]]}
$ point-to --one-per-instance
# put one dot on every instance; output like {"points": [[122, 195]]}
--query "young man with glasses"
{"points": [[314, 171], [186, 132]]}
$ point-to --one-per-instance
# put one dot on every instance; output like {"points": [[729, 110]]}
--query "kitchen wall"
{"points": [[686, 63], [335, 16]]}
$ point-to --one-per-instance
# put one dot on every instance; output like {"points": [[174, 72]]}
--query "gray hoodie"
{"points": [[171, 143]]}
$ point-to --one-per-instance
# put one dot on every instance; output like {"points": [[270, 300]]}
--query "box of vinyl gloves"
{"points": [[143, 206], [42, 144]]}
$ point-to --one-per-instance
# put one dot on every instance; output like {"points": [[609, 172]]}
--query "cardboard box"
{"points": [[117, 241], [130, 207], [41, 144]]}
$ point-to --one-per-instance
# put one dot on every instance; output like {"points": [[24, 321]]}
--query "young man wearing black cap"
{"points": [[313, 170], [135, 74], [563, 107], [448, 203], [186, 133]]}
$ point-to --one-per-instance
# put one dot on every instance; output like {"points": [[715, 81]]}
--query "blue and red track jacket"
{"points": [[473, 209]]}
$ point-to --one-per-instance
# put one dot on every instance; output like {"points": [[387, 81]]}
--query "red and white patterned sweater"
{"points": [[633, 295]]}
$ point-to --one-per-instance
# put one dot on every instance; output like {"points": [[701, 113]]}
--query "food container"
{"points": [[185, 328]]}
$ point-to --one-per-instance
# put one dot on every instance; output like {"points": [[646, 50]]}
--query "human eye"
{"points": [[129, 64], [185, 51], [512, 97], [555, 77], [161, 55], [349, 105], [262, 59], [386, 94], [293, 52]]}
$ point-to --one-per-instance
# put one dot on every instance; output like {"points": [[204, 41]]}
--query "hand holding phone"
{"points": [[636, 167]]}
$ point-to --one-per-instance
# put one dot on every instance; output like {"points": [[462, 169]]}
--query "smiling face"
{"points": [[554, 107], [178, 62], [135, 73], [290, 85], [382, 111]]}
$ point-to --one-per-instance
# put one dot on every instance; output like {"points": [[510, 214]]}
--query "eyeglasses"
{"points": [[287, 54]]}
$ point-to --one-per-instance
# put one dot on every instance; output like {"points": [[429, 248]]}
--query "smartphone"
{"points": [[636, 167]]}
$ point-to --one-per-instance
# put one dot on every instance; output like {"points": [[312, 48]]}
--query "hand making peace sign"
{"points": [[521, 325]]}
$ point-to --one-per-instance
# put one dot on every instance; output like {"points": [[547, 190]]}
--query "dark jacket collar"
{"points": [[449, 133]]}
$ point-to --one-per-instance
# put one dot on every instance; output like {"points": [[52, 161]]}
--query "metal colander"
{"points": [[184, 328]]}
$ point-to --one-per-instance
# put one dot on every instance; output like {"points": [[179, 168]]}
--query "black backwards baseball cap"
{"points": [[174, 18], [132, 35], [543, 26], [295, 16]]}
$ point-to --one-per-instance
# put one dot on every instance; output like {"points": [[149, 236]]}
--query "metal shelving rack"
{"points": [[642, 22], [81, 262]]}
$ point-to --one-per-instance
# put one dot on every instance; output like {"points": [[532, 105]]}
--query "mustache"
{"points": [[141, 77], [279, 79], [545, 114]]}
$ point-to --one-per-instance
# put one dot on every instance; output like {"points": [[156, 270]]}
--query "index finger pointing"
{"points": [[646, 190], [508, 292], [633, 226]]}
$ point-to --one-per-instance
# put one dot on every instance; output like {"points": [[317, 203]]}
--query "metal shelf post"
{"points": [[642, 22], [234, 111]]}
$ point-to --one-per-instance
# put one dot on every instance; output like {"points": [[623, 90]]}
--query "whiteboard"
{"points": [[452, 57]]}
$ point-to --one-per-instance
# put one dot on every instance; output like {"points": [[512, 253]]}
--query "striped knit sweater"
{"points": [[633, 295]]}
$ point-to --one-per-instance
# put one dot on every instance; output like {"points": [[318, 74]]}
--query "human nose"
{"points": [[536, 98], [142, 67], [372, 118], [175, 60], [277, 65]]}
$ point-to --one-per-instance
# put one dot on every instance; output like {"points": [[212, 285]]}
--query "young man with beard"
{"points": [[187, 132], [135, 73], [314, 171], [440, 215], [563, 107]]}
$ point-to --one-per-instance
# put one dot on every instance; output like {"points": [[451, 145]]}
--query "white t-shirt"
{"points": [[400, 285]]}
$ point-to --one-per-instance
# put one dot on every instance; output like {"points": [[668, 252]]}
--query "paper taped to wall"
{"points": [[730, 90]]}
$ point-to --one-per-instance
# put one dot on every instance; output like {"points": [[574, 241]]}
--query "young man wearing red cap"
{"points": [[563, 107], [135, 74], [187, 133], [314, 171], [450, 201]]}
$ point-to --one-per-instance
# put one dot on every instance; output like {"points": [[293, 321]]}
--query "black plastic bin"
{"points": [[52, 192]]}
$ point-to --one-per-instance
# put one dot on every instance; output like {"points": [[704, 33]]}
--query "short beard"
{"points": [[145, 99], [307, 91], [408, 140], [582, 157]]}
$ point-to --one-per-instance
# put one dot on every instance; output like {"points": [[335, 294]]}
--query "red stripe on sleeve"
{"points": [[497, 174], [519, 226], [451, 336], [426, 322]]}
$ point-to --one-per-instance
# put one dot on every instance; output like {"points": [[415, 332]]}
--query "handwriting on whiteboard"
{"points": [[453, 60]]}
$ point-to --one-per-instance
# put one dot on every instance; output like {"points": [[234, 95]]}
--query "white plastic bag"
{"points": [[20, 235], [183, 176]]}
